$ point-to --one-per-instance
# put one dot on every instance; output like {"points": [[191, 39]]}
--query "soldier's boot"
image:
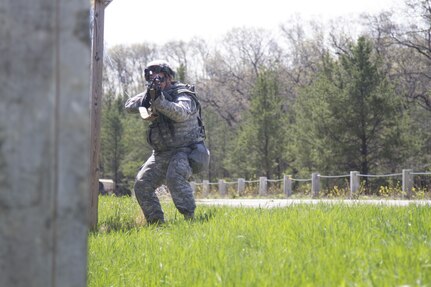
{"points": [[155, 221], [153, 216], [189, 216]]}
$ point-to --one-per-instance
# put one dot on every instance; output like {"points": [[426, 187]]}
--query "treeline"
{"points": [[308, 97]]}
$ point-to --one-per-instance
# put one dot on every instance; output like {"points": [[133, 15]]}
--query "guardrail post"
{"points": [[262, 185], [222, 187], [354, 182], [315, 184], [193, 185], [205, 187], [287, 185], [241, 186], [407, 182]]}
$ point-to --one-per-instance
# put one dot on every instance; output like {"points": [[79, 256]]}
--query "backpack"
{"points": [[199, 157], [190, 90]]}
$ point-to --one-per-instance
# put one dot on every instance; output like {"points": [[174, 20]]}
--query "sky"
{"points": [[137, 21]]}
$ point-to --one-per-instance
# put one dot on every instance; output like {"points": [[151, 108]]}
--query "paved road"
{"points": [[271, 203]]}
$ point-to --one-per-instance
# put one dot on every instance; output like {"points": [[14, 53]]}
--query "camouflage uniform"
{"points": [[170, 135]]}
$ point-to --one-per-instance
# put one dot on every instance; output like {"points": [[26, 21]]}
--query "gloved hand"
{"points": [[159, 100], [155, 93], [146, 100]]}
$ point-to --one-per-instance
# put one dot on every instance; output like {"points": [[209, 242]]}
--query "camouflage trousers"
{"points": [[173, 169]]}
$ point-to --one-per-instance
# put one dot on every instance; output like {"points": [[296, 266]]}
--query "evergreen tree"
{"points": [[261, 139], [351, 118], [218, 140], [112, 147], [136, 148]]}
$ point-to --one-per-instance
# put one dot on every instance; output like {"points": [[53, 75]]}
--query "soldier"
{"points": [[176, 134]]}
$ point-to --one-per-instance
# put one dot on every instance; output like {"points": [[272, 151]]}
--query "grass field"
{"points": [[301, 245]]}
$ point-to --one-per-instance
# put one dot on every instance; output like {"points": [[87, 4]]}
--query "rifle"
{"points": [[153, 92]]}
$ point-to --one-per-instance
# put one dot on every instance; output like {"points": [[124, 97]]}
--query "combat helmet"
{"points": [[158, 66]]}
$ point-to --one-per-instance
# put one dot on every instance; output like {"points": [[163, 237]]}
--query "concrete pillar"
{"points": [[241, 186], [193, 186], [407, 182], [222, 187], [44, 142], [354, 183], [315, 184], [287, 185], [263, 186], [205, 187]]}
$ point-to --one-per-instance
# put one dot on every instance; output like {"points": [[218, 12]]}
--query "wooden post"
{"points": [[315, 184], [287, 185], [98, 9], [222, 187], [263, 185], [407, 182], [241, 186], [44, 142], [354, 182], [205, 187]]}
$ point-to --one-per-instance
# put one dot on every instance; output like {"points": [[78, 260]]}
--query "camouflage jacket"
{"points": [[178, 120]]}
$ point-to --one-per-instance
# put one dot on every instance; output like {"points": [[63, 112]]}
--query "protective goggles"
{"points": [[155, 70]]}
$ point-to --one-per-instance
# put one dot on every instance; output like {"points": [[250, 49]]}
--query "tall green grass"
{"points": [[301, 245]]}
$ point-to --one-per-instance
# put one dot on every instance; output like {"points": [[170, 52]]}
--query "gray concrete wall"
{"points": [[44, 142]]}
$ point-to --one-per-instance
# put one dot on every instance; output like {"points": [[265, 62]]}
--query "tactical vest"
{"points": [[165, 134]]}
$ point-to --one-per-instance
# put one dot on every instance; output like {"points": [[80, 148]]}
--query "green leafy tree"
{"points": [[218, 140], [351, 118], [112, 147], [136, 148], [261, 139]]}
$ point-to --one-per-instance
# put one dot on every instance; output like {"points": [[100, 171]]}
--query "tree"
{"points": [[112, 147], [124, 72], [412, 61], [233, 68], [260, 145], [219, 140], [350, 118]]}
